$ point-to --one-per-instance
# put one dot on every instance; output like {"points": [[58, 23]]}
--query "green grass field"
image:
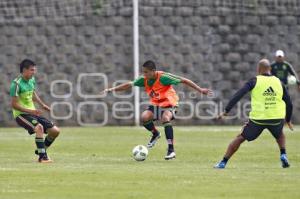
{"points": [[97, 163]]}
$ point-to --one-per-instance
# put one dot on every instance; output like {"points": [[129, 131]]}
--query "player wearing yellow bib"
{"points": [[23, 93], [270, 106], [163, 100]]}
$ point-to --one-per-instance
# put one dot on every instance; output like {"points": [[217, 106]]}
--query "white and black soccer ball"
{"points": [[292, 80], [140, 153]]}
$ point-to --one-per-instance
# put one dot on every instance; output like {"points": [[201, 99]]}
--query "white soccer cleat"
{"points": [[170, 155]]}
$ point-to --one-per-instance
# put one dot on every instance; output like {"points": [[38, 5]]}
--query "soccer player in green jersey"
{"points": [[23, 93], [282, 69], [163, 100]]}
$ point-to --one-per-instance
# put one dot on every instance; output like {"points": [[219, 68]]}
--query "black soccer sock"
{"points": [[150, 127], [48, 141], [225, 159], [169, 135], [282, 151], [40, 146]]}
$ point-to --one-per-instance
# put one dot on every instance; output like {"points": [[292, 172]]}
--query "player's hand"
{"points": [[222, 115], [290, 125], [45, 107], [206, 91], [36, 112], [107, 90]]}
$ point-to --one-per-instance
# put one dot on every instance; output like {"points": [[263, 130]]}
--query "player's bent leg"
{"points": [[147, 119], [231, 149], [250, 132], [53, 133], [50, 129], [278, 134], [166, 120], [281, 141], [39, 131], [39, 141], [234, 146], [147, 116]]}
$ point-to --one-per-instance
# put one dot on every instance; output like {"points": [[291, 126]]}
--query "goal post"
{"points": [[136, 60]]}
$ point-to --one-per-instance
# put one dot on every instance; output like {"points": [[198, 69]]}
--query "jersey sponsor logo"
{"points": [[34, 122], [284, 67], [153, 94], [269, 92]]}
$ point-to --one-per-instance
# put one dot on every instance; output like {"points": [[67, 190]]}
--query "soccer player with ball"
{"points": [[163, 99], [284, 70]]}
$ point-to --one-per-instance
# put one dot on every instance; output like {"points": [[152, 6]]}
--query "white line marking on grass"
{"points": [[209, 129], [18, 191], [8, 169]]}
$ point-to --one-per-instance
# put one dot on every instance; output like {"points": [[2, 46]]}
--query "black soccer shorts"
{"points": [[252, 130], [29, 122], [158, 111]]}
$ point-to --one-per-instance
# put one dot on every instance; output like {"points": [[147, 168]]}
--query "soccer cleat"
{"points": [[170, 155], [44, 159], [153, 140], [284, 161], [220, 165]]}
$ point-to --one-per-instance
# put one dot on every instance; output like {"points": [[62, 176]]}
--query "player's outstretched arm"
{"points": [[121, 87], [17, 106], [38, 100], [237, 96], [193, 85]]}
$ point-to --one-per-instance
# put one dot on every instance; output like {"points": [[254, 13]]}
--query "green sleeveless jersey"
{"points": [[23, 89], [266, 99]]}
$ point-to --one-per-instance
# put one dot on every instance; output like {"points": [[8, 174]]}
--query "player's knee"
{"points": [[39, 130], [145, 118], [56, 131], [53, 132], [165, 119]]}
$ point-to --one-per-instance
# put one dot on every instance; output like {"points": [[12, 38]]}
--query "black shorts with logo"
{"points": [[29, 122], [158, 111], [253, 129]]}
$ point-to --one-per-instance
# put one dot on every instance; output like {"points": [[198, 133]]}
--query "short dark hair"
{"points": [[149, 65], [26, 63]]}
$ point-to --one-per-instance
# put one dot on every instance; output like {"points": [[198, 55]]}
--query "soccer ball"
{"points": [[292, 80], [139, 153]]}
